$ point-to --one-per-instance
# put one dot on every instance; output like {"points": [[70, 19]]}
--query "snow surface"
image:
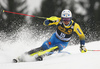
{"points": [[76, 60]]}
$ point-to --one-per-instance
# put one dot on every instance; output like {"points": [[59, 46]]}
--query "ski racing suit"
{"points": [[58, 41], [63, 34]]}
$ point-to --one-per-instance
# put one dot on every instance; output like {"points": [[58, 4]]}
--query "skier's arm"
{"points": [[79, 32], [52, 21], [81, 35]]}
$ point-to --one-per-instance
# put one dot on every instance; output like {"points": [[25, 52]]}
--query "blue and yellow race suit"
{"points": [[63, 34]]}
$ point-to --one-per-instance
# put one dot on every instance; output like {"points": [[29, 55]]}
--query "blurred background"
{"points": [[85, 12]]}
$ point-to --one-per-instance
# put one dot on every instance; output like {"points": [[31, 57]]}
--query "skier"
{"points": [[59, 40]]}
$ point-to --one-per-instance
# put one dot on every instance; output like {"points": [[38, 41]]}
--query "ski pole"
{"points": [[24, 14], [93, 50]]}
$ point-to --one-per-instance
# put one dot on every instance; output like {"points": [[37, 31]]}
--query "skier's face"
{"points": [[66, 22]]}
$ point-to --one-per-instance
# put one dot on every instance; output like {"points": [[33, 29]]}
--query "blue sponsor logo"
{"points": [[79, 31]]}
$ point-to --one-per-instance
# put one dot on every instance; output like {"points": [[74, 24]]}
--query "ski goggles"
{"points": [[66, 19]]}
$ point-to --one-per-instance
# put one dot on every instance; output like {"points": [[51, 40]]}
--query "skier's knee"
{"points": [[60, 47]]}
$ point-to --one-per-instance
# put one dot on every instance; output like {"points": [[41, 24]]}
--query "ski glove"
{"points": [[53, 19], [83, 49]]}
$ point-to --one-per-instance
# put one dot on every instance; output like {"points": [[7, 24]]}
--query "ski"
{"points": [[39, 58]]}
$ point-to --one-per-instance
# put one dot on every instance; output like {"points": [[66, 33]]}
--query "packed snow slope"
{"points": [[75, 60]]}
